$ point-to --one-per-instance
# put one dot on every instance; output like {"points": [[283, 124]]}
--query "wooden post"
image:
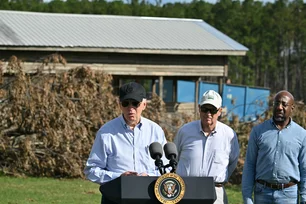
{"points": [[220, 86], [174, 95], [154, 86], [196, 95], [161, 87]]}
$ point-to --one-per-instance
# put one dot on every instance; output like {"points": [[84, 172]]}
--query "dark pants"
{"points": [[106, 201]]}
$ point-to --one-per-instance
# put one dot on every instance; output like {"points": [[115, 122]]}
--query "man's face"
{"points": [[209, 114], [282, 108], [132, 110]]}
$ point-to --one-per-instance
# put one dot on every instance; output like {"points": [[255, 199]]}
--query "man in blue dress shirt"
{"points": [[121, 146], [207, 147], [275, 163]]}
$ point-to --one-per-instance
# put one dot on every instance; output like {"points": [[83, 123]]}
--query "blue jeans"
{"points": [[266, 195]]}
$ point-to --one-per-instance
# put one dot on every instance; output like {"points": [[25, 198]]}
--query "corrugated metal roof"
{"points": [[30, 29]]}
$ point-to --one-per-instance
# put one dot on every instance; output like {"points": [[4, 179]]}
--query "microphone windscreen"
{"points": [[156, 149], [170, 149]]}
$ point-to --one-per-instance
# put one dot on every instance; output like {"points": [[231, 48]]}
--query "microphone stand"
{"points": [[160, 166], [172, 164]]}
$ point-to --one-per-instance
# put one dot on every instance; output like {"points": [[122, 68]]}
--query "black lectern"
{"points": [[140, 190]]}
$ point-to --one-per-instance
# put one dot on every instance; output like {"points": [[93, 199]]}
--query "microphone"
{"points": [[171, 154], [156, 152]]}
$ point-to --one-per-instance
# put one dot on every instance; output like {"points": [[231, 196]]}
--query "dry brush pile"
{"points": [[48, 120]]}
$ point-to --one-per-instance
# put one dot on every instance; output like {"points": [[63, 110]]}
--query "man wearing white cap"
{"points": [[207, 147]]}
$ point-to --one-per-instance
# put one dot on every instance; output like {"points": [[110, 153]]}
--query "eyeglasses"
{"points": [[206, 110], [126, 103], [283, 104]]}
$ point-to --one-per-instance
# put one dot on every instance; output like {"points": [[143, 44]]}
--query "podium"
{"points": [[140, 190]]}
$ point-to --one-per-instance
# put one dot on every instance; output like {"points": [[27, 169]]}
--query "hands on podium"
{"points": [[129, 173], [133, 173]]}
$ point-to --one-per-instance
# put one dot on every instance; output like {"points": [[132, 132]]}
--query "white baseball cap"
{"points": [[211, 97]]}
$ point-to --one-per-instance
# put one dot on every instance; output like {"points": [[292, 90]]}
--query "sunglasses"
{"points": [[206, 110], [126, 103]]}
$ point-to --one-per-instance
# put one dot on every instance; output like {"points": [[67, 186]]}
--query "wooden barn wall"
{"points": [[130, 64]]}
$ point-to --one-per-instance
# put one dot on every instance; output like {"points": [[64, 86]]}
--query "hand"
{"points": [[129, 173], [143, 174]]}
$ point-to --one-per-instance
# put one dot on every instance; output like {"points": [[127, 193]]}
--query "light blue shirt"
{"points": [[215, 155], [276, 156], [118, 149]]}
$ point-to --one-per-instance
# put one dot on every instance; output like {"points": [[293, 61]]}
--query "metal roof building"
{"points": [[104, 33], [124, 46]]}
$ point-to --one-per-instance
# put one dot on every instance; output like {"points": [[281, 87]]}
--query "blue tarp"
{"points": [[245, 102]]}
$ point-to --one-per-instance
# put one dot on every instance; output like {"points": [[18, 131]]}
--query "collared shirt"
{"points": [[213, 156], [276, 156], [118, 149]]}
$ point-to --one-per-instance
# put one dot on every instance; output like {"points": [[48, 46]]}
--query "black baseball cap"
{"points": [[132, 90]]}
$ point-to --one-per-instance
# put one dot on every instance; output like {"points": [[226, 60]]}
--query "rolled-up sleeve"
{"points": [[95, 168]]}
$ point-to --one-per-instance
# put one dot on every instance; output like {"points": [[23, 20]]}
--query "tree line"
{"points": [[275, 33]]}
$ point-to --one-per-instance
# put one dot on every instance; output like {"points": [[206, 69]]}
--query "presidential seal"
{"points": [[169, 188]]}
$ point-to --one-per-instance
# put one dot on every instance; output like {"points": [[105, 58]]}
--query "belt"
{"points": [[276, 186], [219, 185]]}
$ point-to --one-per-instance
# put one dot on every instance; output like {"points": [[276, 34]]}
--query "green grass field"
{"points": [[65, 191]]}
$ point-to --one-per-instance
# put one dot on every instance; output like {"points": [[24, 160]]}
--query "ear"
{"points": [[219, 111]]}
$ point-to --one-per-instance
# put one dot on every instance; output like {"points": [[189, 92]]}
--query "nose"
{"points": [[279, 107]]}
